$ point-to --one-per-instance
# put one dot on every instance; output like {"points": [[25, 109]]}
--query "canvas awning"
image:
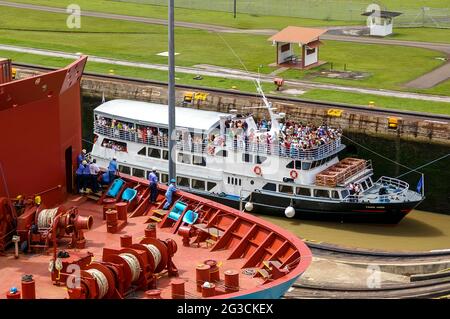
{"points": [[314, 44]]}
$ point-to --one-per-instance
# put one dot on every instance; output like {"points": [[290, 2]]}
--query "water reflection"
{"points": [[418, 231]]}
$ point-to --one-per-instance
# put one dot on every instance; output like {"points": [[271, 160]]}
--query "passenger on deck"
{"points": [[81, 157], [169, 193], [153, 185], [112, 169], [79, 177], [94, 169]]}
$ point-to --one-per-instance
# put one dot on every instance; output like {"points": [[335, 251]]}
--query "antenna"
{"points": [[275, 128]]}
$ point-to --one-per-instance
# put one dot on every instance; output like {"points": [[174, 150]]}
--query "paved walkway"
{"points": [[426, 81], [213, 71]]}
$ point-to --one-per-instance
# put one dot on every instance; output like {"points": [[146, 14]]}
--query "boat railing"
{"points": [[276, 149], [397, 191]]}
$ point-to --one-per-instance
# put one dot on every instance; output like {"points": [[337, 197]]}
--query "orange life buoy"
{"points": [[257, 170], [294, 174]]}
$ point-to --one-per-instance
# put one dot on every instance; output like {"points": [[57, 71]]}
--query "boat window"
{"points": [[345, 193], [270, 187], [321, 193], [303, 191], [240, 182], [198, 184], [183, 181], [222, 153], [228, 179], [184, 158], [199, 160], [247, 158], [117, 146], [164, 178], [210, 185], [294, 164], [138, 172], [143, 151], [335, 194], [124, 169], [154, 152], [369, 183], [165, 154], [260, 159], [286, 189], [306, 165]]}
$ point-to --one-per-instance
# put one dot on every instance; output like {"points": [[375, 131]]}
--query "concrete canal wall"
{"points": [[360, 120]]}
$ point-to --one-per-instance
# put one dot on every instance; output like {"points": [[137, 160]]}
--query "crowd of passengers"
{"points": [[292, 137]]}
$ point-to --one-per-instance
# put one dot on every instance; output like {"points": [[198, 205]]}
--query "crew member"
{"points": [[79, 177], [81, 157], [153, 184], [94, 169], [169, 194], [86, 176], [112, 169]]}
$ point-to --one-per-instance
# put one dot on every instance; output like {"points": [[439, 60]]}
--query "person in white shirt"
{"points": [[94, 170]]}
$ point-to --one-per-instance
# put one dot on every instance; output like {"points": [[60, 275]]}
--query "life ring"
{"points": [[293, 174], [257, 170]]}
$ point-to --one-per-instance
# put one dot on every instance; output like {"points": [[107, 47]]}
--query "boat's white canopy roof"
{"points": [[157, 114]]}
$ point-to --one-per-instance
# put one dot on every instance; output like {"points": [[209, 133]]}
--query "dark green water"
{"points": [[409, 153]]}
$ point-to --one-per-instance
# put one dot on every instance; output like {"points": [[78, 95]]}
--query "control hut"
{"points": [[381, 22]]}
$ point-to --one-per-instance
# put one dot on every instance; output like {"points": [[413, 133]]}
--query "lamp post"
{"points": [[171, 106]]}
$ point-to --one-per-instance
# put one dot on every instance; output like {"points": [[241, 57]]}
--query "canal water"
{"points": [[426, 228]]}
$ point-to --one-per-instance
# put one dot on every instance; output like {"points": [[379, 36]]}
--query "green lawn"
{"points": [[380, 101], [440, 89], [243, 21], [390, 66], [245, 86], [421, 34], [155, 75]]}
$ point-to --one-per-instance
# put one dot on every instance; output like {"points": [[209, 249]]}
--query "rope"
{"points": [[239, 59], [155, 253], [101, 280], [426, 164], [135, 267], [45, 218]]}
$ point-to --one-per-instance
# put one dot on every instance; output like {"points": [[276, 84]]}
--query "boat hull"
{"points": [[382, 213]]}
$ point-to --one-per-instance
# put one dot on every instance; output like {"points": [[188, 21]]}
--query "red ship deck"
{"points": [[265, 258], [254, 240]]}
